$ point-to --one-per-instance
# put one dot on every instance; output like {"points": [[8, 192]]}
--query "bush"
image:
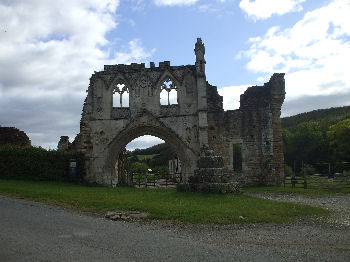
{"points": [[181, 187], [32, 163]]}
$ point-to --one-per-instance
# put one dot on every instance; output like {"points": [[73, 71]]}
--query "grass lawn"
{"points": [[162, 203], [299, 190]]}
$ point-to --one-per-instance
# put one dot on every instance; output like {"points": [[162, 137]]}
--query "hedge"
{"points": [[32, 163]]}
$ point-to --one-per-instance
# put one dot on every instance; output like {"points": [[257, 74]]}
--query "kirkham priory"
{"points": [[205, 138]]}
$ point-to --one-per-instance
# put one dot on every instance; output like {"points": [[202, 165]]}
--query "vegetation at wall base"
{"points": [[165, 204], [33, 163], [216, 188]]}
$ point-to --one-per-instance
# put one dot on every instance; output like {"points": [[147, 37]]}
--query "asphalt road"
{"points": [[32, 231]]}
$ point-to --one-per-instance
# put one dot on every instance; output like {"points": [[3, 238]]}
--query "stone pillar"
{"points": [[209, 166], [202, 94], [277, 90]]}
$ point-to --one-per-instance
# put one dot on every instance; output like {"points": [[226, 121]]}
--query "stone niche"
{"points": [[124, 102]]}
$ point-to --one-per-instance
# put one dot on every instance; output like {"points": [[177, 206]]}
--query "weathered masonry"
{"points": [[207, 139]]}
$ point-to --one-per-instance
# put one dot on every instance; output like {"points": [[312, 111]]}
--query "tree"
{"points": [[307, 143], [339, 140], [138, 167]]}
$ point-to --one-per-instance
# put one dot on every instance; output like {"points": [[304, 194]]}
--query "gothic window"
{"points": [[168, 93], [121, 96]]}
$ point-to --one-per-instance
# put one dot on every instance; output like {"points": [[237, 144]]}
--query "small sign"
{"points": [[73, 164]]}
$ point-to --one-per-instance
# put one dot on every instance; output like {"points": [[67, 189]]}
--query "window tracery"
{"points": [[118, 91], [168, 92]]}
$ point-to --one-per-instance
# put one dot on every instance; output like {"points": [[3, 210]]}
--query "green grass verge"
{"points": [[162, 204], [299, 190]]}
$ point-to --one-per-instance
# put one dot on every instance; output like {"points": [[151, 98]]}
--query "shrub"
{"points": [[181, 187], [32, 163]]}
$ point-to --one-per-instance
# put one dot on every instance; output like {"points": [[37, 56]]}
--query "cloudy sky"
{"points": [[49, 49]]}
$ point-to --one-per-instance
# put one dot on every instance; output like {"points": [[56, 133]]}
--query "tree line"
{"points": [[320, 136]]}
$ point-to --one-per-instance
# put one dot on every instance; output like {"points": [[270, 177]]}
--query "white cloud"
{"points": [[231, 96], [263, 9], [174, 2], [143, 142], [314, 53], [48, 50], [135, 52]]}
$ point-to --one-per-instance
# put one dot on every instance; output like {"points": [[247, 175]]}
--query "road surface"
{"points": [[32, 231]]}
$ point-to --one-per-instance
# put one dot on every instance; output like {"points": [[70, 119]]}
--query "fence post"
{"points": [[146, 179], [294, 168], [293, 181]]}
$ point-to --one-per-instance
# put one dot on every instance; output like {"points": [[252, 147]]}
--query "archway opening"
{"points": [[148, 161]]}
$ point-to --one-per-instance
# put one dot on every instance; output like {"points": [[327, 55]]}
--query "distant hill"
{"points": [[325, 117], [162, 148], [155, 157]]}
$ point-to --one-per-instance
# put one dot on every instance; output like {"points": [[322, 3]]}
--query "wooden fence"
{"points": [[325, 175], [155, 180], [165, 180], [334, 181]]}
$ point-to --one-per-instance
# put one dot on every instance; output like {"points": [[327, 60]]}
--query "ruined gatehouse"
{"points": [[204, 136]]}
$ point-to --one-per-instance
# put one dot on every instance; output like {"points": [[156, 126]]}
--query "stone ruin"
{"points": [[13, 136], [245, 143]]}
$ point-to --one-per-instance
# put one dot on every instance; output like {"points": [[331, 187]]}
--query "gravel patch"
{"points": [[339, 204]]}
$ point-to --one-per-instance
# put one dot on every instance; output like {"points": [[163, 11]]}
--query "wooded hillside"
{"points": [[155, 157], [318, 137], [325, 117]]}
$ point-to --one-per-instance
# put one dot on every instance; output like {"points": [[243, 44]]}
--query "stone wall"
{"points": [[256, 126]]}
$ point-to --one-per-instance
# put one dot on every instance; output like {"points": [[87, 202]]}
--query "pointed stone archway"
{"points": [[146, 124]]}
